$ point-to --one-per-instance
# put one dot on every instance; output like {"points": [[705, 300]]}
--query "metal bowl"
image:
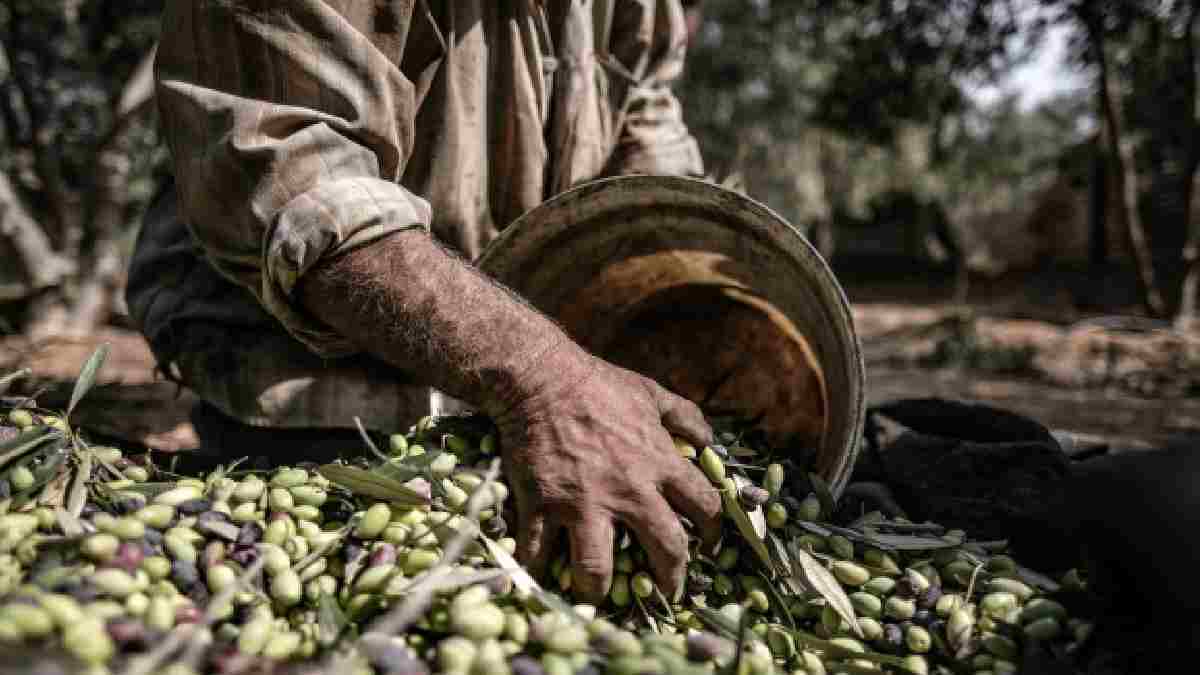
{"points": [[705, 290]]}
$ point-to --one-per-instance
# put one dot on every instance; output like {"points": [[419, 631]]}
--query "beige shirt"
{"points": [[301, 128]]}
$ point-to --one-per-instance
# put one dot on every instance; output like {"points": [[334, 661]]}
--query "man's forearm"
{"points": [[411, 303]]}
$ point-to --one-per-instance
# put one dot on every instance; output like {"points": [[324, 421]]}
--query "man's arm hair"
{"points": [[414, 304]]}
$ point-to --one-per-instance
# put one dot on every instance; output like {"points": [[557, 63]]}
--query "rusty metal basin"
{"points": [[708, 292]]}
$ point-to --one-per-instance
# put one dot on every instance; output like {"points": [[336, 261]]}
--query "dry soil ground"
{"points": [[1017, 344]]}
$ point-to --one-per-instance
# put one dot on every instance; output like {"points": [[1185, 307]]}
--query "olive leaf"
{"points": [[813, 528], [45, 460], [77, 494], [757, 519], [721, 624], [331, 620], [778, 600], [784, 563], [422, 462], [870, 519], [906, 542], [87, 376], [45, 472], [1037, 579], [520, 577], [369, 484], [892, 527], [398, 471], [150, 490], [743, 631], [108, 466], [813, 574], [745, 526], [68, 522], [856, 669], [54, 492], [646, 615], [779, 554], [824, 494], [553, 602], [26, 442]]}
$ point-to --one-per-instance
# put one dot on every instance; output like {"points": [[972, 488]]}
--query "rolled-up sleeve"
{"points": [[649, 39], [288, 128]]}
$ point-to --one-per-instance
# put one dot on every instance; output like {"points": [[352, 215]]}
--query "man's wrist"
{"points": [[558, 364]]}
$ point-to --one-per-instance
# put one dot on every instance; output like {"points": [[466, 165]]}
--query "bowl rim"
{"points": [[505, 256]]}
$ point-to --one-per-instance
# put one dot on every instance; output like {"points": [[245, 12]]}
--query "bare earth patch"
{"points": [[1128, 387]]}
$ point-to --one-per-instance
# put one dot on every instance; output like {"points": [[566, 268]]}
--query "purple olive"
{"points": [[382, 554], [184, 575], [127, 632], [193, 507], [928, 598], [495, 527], [188, 614], [523, 664], [128, 557], [244, 555], [703, 647], [753, 496], [126, 506], [893, 637], [250, 534]]}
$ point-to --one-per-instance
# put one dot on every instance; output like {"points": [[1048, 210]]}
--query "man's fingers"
{"points": [[660, 533], [535, 542], [592, 556], [682, 417], [691, 493]]}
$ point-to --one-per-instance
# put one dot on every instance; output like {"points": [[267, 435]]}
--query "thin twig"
{"points": [[974, 576], [7, 380], [665, 603], [192, 656], [646, 615], [321, 550], [367, 439]]}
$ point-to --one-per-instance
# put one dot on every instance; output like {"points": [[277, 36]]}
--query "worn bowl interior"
{"points": [[706, 291]]}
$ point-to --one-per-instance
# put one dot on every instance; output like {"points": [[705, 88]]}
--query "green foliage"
{"points": [[858, 67], [826, 106], [64, 65]]}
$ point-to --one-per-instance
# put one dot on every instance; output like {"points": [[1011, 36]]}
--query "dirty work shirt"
{"points": [[300, 129]]}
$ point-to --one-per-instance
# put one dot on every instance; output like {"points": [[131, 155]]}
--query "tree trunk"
{"points": [[1097, 210], [100, 278], [103, 262], [1121, 157], [1186, 319], [40, 266]]}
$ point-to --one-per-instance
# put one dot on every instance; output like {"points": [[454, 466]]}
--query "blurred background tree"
{"points": [[80, 155], [855, 120], [858, 120]]}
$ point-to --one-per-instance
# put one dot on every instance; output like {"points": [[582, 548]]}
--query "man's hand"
{"points": [[586, 443], [590, 447]]}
